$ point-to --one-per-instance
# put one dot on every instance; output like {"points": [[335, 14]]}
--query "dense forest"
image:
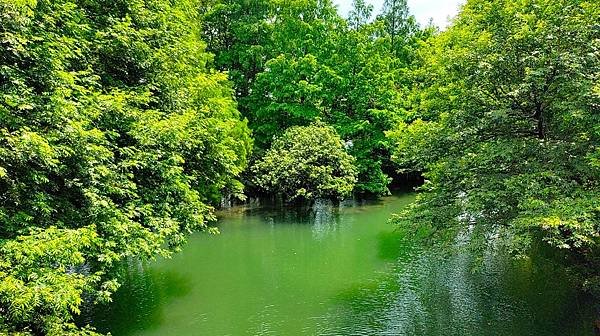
{"points": [[125, 123]]}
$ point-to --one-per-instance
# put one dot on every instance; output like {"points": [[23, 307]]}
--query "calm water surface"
{"points": [[330, 271]]}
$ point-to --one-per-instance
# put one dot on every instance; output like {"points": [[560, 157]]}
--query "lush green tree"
{"points": [[370, 100], [307, 163], [307, 63], [399, 27], [239, 33], [295, 85], [115, 140], [505, 126], [360, 14]]}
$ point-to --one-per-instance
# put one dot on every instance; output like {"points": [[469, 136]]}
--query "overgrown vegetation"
{"points": [[293, 62], [506, 127], [115, 139], [120, 130]]}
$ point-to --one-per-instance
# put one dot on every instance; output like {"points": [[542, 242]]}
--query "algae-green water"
{"points": [[336, 271]]}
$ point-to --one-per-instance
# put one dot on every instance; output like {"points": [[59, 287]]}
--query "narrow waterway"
{"points": [[336, 271]]}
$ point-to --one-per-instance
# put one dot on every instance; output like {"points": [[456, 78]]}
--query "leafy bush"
{"points": [[306, 163]]}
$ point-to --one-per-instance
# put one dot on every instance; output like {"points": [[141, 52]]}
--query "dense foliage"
{"points": [[294, 62], [307, 163], [115, 139], [505, 126]]}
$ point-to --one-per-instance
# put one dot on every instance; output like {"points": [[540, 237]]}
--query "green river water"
{"points": [[336, 271]]}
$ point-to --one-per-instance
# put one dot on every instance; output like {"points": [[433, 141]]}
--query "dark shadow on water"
{"points": [[320, 212], [141, 299], [429, 295], [287, 214], [390, 246], [303, 212]]}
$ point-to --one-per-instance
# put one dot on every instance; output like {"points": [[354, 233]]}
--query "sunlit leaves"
{"points": [[293, 62], [115, 142], [307, 163], [505, 125]]}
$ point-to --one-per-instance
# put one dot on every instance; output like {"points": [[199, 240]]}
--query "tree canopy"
{"points": [[293, 62], [115, 140], [123, 123], [505, 126]]}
